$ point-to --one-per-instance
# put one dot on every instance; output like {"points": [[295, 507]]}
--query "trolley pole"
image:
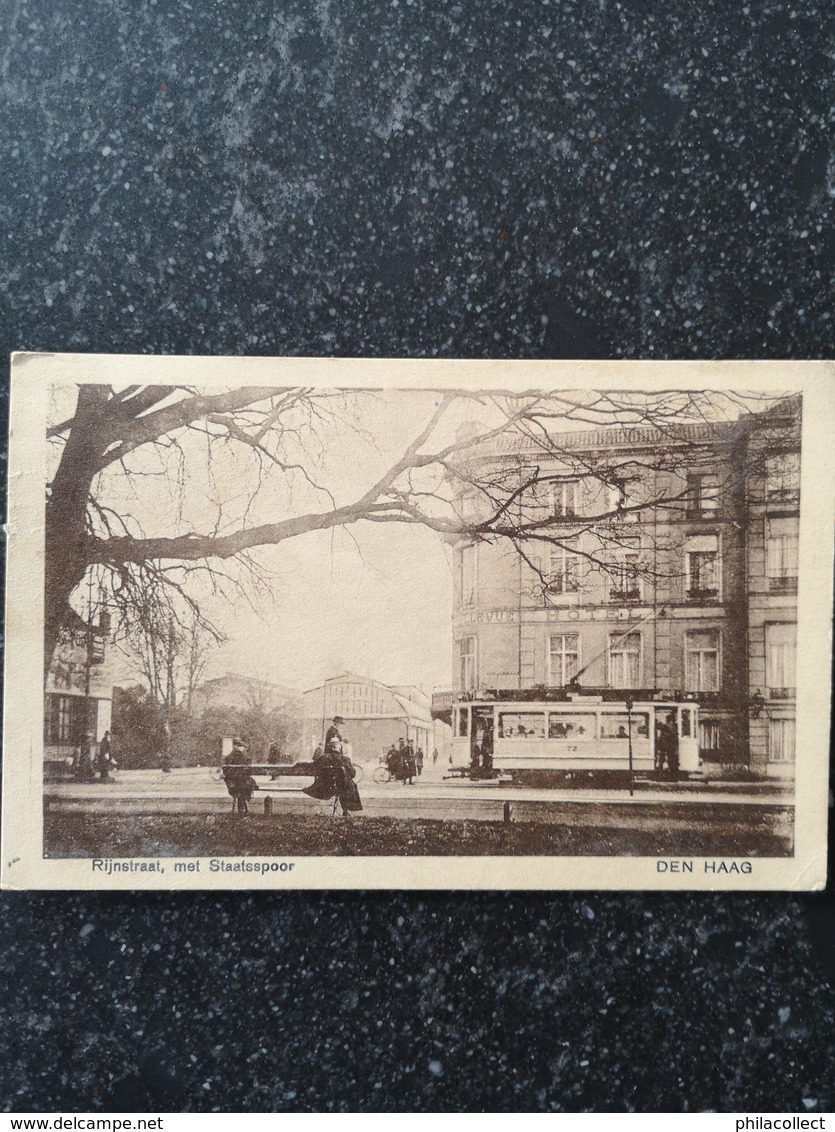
{"points": [[629, 727]]}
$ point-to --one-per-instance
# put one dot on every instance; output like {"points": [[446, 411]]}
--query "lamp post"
{"points": [[629, 729]]}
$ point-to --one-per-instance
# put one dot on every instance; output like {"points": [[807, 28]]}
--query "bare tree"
{"points": [[156, 433], [170, 645]]}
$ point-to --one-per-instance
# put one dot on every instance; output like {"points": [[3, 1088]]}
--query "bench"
{"points": [[272, 770]]}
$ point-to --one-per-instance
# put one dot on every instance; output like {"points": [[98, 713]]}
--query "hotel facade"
{"points": [[654, 563]]}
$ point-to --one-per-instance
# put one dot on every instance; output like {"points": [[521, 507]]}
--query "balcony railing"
{"points": [[443, 699], [784, 585], [703, 593], [625, 595]]}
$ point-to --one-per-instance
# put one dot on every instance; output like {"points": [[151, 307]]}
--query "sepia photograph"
{"points": [[493, 625]]}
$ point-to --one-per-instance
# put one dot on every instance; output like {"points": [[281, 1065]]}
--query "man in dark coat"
{"points": [[333, 738], [239, 782], [393, 761], [409, 765], [666, 745], [487, 751], [105, 759], [672, 750]]}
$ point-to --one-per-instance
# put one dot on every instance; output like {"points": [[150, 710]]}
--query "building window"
{"points": [[621, 497], [782, 478], [781, 554], [563, 658], [702, 565], [564, 499], [466, 664], [522, 725], [625, 661], [781, 740], [701, 660], [467, 574], [781, 660], [63, 728], [702, 495], [64, 719], [462, 723], [562, 571], [468, 504], [624, 580], [708, 739]]}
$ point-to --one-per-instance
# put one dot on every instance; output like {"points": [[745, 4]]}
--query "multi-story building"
{"points": [[773, 528], [650, 563]]}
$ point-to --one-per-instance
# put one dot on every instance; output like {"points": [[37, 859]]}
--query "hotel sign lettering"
{"points": [[488, 616], [591, 613], [599, 613]]}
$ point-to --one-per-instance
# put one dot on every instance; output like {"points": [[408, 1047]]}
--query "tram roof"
{"points": [[577, 701], [567, 694]]}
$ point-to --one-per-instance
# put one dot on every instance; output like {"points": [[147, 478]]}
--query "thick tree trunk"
{"points": [[66, 535]]}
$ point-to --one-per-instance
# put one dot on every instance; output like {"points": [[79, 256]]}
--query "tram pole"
{"points": [[629, 728]]}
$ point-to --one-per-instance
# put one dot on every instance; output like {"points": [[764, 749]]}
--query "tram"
{"points": [[585, 735]]}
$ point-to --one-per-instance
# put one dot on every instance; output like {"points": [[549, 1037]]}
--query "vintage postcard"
{"points": [[298, 623]]}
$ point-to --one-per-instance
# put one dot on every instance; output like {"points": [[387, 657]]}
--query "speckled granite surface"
{"points": [[592, 179]]}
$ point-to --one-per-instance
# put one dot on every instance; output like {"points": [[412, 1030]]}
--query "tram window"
{"points": [[572, 725], [617, 726], [686, 726], [521, 725], [462, 729]]}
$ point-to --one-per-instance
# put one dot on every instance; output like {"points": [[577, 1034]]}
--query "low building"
{"points": [[376, 716], [242, 693]]}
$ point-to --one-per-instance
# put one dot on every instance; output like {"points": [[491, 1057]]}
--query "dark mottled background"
{"points": [[580, 178]]}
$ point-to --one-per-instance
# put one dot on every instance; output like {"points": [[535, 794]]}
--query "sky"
{"points": [[375, 599], [377, 602]]}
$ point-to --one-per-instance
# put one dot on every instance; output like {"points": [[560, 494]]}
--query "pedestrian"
{"points": [[105, 760], [333, 736], [393, 761], [665, 741], [274, 757], [487, 751], [409, 766], [434, 756], [239, 782], [672, 756], [419, 761], [334, 776], [85, 770]]}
